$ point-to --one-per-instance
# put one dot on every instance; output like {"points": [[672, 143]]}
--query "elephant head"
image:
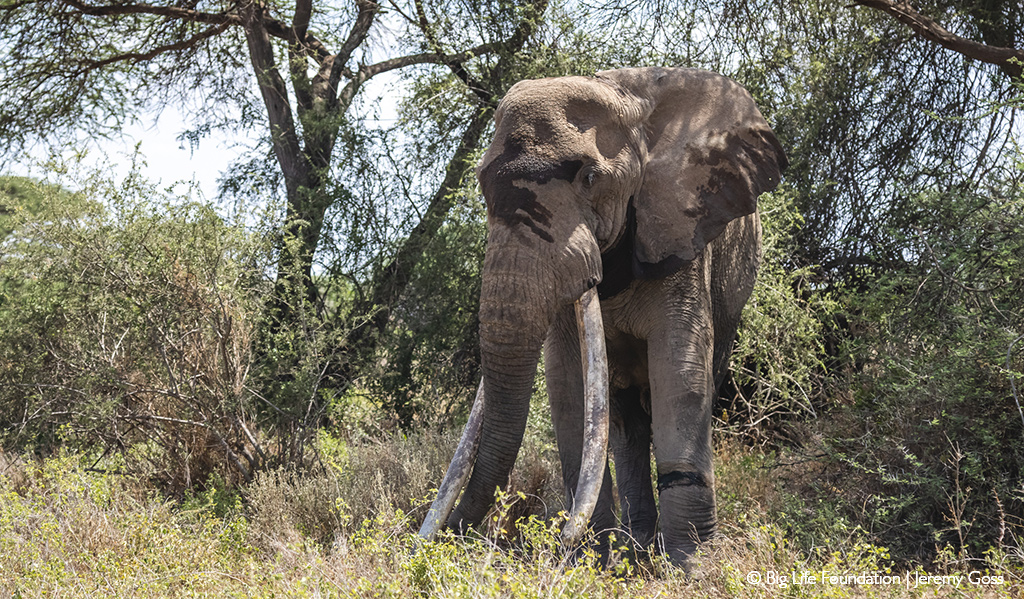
{"points": [[597, 182]]}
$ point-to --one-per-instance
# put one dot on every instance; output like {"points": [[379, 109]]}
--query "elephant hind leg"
{"points": [[631, 448]]}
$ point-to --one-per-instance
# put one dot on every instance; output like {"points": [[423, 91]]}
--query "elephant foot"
{"points": [[683, 558], [688, 520]]}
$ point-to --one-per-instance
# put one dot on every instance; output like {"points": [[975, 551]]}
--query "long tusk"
{"points": [[458, 471], [595, 427]]}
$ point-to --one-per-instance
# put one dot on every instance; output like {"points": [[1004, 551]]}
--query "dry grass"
{"points": [[66, 532]]}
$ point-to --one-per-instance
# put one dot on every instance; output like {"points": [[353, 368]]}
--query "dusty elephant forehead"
{"points": [[558, 109], [558, 93], [507, 183]]}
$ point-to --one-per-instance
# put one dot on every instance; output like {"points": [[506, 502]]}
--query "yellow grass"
{"points": [[69, 532]]}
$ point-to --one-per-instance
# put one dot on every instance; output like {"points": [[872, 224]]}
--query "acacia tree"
{"points": [[89, 66]]}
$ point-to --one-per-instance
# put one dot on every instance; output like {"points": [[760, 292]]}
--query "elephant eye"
{"points": [[588, 178]]}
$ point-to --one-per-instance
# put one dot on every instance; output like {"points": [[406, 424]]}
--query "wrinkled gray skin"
{"points": [[642, 182]]}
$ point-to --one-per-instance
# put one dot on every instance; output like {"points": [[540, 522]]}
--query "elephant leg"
{"points": [[631, 446], [681, 375], [564, 374]]}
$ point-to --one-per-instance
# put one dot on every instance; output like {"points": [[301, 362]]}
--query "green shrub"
{"points": [[778, 369], [933, 444], [428, 363], [126, 315]]}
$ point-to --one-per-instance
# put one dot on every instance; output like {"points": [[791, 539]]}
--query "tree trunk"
{"points": [[373, 311]]}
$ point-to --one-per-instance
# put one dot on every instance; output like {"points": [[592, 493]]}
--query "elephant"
{"points": [[632, 195]]}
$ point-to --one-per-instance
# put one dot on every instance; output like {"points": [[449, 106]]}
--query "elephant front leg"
{"points": [[564, 375], [682, 385]]}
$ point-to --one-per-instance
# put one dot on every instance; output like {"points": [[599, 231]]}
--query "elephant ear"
{"points": [[710, 155]]}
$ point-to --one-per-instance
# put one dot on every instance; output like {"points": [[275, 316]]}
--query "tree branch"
{"points": [[10, 7], [366, 72], [300, 22], [174, 12], [367, 12], [374, 311], [139, 56], [298, 54], [275, 98], [902, 11], [328, 78], [274, 27], [455, 66], [300, 80]]}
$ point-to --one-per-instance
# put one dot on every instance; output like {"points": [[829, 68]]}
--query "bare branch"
{"points": [[326, 81], [246, 473], [174, 12], [927, 28], [300, 23], [367, 11], [455, 66], [366, 72], [141, 56], [275, 97]]}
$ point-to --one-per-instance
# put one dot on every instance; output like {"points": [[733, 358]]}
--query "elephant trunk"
{"points": [[516, 309], [509, 369]]}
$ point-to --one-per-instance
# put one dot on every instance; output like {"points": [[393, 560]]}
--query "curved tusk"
{"points": [[595, 426], [458, 471]]}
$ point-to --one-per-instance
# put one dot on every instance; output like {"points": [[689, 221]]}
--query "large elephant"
{"points": [[643, 184]]}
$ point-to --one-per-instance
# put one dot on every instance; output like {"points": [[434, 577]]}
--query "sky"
{"points": [[169, 160]]}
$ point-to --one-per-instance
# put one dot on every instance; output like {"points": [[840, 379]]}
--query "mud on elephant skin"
{"points": [[639, 186]]}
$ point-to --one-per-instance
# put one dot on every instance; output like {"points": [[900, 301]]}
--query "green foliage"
{"points": [[935, 429], [423, 369], [294, 359], [66, 531], [125, 325], [778, 364], [65, 73], [20, 196]]}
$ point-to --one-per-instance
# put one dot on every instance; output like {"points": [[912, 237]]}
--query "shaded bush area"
{"points": [[781, 370], [901, 385], [935, 435]]}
